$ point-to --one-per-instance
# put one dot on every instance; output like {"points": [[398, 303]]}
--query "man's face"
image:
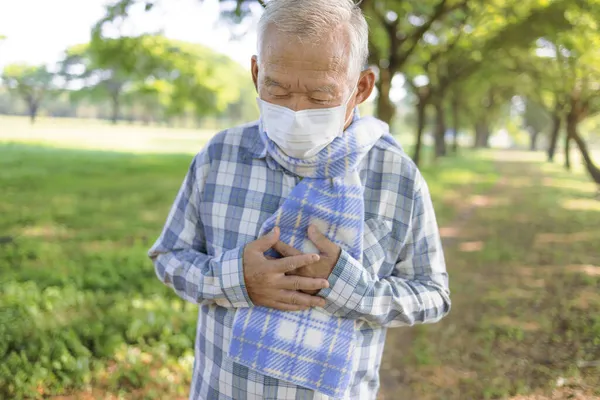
{"points": [[301, 76]]}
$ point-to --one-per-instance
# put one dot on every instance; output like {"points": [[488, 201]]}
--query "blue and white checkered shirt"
{"points": [[231, 188]]}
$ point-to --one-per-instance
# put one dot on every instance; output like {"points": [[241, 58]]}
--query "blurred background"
{"points": [[103, 105]]}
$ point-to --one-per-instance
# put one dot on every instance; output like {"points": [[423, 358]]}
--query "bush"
{"points": [[51, 338]]}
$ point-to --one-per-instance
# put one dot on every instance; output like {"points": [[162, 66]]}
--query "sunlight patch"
{"points": [[513, 323], [581, 204], [587, 298], [45, 231], [590, 270], [547, 238], [584, 187], [519, 182], [470, 247], [449, 232], [522, 218], [487, 201], [151, 216], [446, 376]]}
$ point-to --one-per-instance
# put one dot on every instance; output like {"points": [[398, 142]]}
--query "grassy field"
{"points": [[101, 135], [82, 315], [524, 262]]}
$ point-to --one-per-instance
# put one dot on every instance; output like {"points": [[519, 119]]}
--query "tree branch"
{"points": [[448, 49], [439, 11]]}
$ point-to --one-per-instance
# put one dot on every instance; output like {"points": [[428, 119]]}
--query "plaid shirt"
{"points": [[231, 188]]}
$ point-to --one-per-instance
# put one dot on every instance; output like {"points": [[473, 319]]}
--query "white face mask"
{"points": [[302, 134]]}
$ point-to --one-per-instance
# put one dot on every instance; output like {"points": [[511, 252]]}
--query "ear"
{"points": [[254, 70], [366, 83]]}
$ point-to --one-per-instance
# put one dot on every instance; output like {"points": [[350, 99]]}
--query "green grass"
{"points": [[525, 280], [77, 287], [83, 315], [101, 135]]}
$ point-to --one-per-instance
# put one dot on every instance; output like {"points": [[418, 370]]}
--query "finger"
{"points": [[265, 242], [302, 283], [321, 241], [297, 298], [288, 264], [286, 307], [285, 249]]}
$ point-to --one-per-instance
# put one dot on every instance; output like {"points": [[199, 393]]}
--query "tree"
{"points": [[158, 73], [535, 121], [471, 39], [97, 79], [580, 50], [547, 87], [31, 83], [398, 29]]}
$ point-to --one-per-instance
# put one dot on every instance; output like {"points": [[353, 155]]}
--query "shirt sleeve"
{"points": [[417, 291], [180, 257]]}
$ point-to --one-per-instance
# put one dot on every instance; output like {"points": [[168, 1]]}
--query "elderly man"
{"points": [[305, 235]]}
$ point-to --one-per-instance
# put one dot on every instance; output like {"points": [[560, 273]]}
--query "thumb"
{"points": [[265, 242]]}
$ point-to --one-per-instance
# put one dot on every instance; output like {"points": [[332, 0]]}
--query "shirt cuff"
{"points": [[232, 278], [344, 292]]}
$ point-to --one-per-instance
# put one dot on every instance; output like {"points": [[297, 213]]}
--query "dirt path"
{"points": [[518, 289], [395, 381]]}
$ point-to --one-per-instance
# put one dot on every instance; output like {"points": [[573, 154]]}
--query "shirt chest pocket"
{"points": [[376, 242]]}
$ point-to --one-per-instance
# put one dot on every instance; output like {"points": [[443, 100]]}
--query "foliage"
{"points": [[162, 75], [30, 83], [77, 287], [535, 118]]}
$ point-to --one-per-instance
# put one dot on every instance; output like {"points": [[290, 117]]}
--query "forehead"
{"points": [[289, 54]]}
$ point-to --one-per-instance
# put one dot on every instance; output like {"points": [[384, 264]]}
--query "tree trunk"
{"points": [[385, 108], [556, 122], [482, 134], [115, 109], [568, 149], [486, 138], [421, 109], [33, 110], [456, 124], [533, 140], [440, 129], [587, 158]]}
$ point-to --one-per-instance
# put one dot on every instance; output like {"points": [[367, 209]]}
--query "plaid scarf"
{"points": [[312, 348]]}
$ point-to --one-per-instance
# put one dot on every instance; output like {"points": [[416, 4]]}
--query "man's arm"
{"points": [[180, 257], [237, 278], [416, 293]]}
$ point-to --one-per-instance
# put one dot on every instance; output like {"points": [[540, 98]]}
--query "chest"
{"points": [[237, 199]]}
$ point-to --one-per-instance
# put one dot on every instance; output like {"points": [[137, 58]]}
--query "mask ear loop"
{"points": [[348, 101]]}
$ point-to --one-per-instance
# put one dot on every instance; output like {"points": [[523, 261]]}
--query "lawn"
{"points": [[101, 135], [82, 315], [524, 266]]}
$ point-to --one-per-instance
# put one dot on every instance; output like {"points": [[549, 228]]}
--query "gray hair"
{"points": [[310, 19]]}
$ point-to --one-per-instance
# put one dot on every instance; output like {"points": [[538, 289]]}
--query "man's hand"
{"points": [[330, 253], [266, 280]]}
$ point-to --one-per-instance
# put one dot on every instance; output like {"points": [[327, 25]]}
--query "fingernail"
{"points": [[325, 284], [312, 230], [274, 231], [315, 257]]}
